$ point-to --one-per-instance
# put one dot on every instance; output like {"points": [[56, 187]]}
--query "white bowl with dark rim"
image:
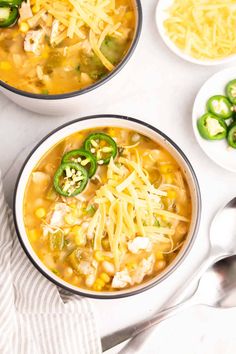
{"points": [[68, 103], [104, 121]]}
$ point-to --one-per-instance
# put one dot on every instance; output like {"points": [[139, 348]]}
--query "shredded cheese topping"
{"points": [[204, 29], [82, 18], [129, 205]]}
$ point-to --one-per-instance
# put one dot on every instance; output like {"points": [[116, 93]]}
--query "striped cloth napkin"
{"points": [[35, 316]]}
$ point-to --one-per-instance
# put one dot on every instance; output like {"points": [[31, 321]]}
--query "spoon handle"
{"points": [[124, 334]]}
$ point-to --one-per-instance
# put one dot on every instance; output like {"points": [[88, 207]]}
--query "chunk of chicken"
{"points": [[124, 278], [138, 244], [33, 41], [25, 11], [121, 279], [145, 267], [41, 180], [86, 47], [40, 177], [41, 75], [57, 218], [85, 268]]}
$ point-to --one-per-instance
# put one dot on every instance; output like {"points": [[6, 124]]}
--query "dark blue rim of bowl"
{"points": [[130, 292], [96, 84]]}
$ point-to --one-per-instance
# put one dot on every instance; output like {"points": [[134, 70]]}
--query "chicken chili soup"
{"points": [[107, 209], [61, 46]]}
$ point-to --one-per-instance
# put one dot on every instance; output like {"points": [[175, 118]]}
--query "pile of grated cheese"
{"points": [[92, 19], [128, 204], [203, 29]]}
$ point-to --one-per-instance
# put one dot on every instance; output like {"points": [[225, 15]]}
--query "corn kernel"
{"points": [[131, 266], [5, 65], [69, 219], [44, 55], [112, 132], [97, 287], [166, 168], [129, 15], [45, 52], [159, 256], [100, 282], [66, 231], [76, 279], [169, 178], [160, 265], [33, 235], [24, 27], [171, 194], [75, 213], [40, 213], [105, 277], [80, 239], [79, 236], [35, 9], [75, 229], [68, 272], [99, 256]]}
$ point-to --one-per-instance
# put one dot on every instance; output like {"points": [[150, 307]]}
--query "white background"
{"points": [[158, 88]]}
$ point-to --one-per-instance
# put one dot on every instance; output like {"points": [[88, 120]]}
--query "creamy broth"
{"points": [[53, 50], [124, 228]]}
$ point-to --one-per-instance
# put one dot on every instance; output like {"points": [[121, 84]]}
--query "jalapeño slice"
{"points": [[8, 16], [11, 3], [70, 179], [232, 136], [220, 106], [102, 146], [82, 157], [211, 127], [231, 91]]}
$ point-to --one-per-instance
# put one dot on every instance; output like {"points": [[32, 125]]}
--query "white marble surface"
{"points": [[159, 88]]}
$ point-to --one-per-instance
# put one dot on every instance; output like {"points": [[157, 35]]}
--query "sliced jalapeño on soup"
{"points": [[13, 3], [8, 15], [102, 146], [70, 179], [84, 158]]}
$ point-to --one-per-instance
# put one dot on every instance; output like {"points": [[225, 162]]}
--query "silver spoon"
{"points": [[222, 244], [213, 290]]}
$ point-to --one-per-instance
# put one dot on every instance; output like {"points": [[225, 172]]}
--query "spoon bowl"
{"points": [[223, 231], [216, 284]]}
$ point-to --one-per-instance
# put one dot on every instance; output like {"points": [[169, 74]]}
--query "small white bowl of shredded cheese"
{"points": [[218, 151], [199, 33]]}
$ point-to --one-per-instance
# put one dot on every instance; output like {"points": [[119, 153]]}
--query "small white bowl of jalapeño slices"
{"points": [[214, 118]]}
